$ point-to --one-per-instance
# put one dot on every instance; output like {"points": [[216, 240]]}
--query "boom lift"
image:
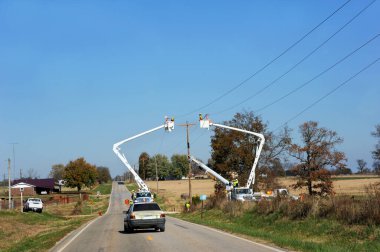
{"points": [[209, 170], [239, 193], [168, 126]]}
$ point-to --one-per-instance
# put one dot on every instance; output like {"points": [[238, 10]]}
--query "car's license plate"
{"points": [[149, 217]]}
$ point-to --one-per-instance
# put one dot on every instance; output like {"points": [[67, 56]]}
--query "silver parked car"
{"points": [[144, 215]]}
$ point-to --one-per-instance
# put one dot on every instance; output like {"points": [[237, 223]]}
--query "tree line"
{"points": [[162, 167], [79, 173], [313, 157]]}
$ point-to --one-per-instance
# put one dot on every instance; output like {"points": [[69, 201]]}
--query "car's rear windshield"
{"points": [[35, 200], [143, 194], [146, 207]]}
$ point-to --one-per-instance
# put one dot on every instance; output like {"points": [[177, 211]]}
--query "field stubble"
{"points": [[171, 190]]}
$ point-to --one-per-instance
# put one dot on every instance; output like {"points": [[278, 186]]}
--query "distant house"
{"points": [[41, 186]]}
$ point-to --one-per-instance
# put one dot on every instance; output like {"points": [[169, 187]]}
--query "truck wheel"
{"points": [[162, 229]]}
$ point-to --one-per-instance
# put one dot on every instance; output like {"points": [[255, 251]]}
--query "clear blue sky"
{"points": [[78, 76]]}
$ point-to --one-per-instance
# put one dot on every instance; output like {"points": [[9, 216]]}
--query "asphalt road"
{"points": [[106, 234]]}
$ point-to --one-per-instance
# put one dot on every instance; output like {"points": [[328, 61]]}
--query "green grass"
{"points": [[132, 187], [304, 235], [51, 228], [103, 188], [95, 205]]}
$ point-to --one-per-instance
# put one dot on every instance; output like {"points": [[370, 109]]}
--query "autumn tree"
{"points": [[315, 155], [79, 173], [57, 171], [103, 174], [362, 166], [234, 151], [144, 159], [376, 152]]}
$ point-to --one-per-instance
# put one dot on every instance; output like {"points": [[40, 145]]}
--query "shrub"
{"points": [[264, 207], [299, 209], [215, 202], [236, 208], [323, 208], [77, 208], [196, 200]]}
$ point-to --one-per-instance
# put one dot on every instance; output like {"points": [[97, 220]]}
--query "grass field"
{"points": [[173, 189], [310, 234], [305, 234], [343, 185], [39, 232]]}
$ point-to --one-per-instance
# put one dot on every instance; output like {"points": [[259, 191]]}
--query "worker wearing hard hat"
{"points": [[235, 183]]}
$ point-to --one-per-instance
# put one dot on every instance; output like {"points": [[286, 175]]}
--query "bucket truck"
{"points": [[168, 126], [238, 193]]}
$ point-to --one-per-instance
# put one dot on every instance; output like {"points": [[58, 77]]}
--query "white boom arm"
{"points": [[209, 170], [169, 126], [205, 123]]}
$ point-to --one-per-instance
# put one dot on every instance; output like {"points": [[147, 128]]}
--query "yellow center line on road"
{"points": [[149, 238]]}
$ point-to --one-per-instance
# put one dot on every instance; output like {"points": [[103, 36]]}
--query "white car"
{"points": [[144, 215], [33, 204]]}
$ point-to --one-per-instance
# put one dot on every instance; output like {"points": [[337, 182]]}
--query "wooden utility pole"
{"points": [[187, 125], [155, 161], [9, 184]]}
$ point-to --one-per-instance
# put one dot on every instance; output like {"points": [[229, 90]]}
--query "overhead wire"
{"points": [[318, 75], [329, 93], [267, 64], [298, 63]]}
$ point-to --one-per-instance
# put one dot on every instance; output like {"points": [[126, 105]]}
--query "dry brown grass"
{"points": [[19, 232], [345, 185], [172, 190]]}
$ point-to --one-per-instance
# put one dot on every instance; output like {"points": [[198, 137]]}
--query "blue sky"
{"points": [[78, 76]]}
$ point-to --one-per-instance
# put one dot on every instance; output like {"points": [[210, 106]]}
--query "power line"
{"points": [[318, 75], [268, 64], [299, 62], [329, 93]]}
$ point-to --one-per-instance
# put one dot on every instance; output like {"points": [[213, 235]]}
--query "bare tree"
{"points": [[316, 154], [362, 166], [376, 152], [32, 174]]}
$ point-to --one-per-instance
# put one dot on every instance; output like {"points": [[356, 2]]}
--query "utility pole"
{"points": [[9, 184], [4, 183], [187, 125], [155, 160], [14, 162]]}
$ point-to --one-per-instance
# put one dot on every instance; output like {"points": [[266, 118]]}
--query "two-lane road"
{"points": [[106, 234]]}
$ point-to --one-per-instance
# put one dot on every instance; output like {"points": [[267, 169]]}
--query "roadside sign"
{"points": [[202, 197]]}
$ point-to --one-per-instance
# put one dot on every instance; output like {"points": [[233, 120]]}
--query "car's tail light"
{"points": [[162, 215], [133, 216]]}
